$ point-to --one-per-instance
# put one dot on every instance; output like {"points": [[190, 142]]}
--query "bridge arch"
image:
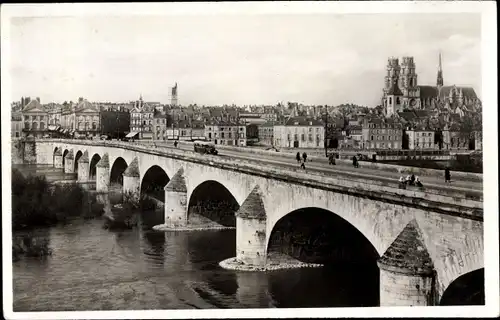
{"points": [[468, 289], [54, 154], [64, 154], [317, 235], [116, 173], [78, 155], [211, 199], [153, 182], [307, 227], [360, 213], [93, 166]]}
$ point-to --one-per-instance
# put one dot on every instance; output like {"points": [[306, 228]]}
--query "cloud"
{"points": [[323, 59]]}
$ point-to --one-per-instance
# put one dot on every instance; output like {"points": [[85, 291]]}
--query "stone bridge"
{"points": [[422, 242]]}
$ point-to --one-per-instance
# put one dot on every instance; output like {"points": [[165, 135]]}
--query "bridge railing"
{"points": [[452, 195]]}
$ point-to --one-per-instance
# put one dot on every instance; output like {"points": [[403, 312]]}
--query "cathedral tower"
{"points": [[392, 75], [408, 84]]}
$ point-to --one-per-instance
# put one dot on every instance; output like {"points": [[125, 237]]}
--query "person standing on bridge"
{"points": [[447, 175], [402, 183], [298, 157], [175, 143], [304, 156], [331, 159], [355, 162], [418, 183], [303, 165]]}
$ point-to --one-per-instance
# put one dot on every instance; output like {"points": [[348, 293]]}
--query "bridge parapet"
{"points": [[403, 170], [454, 201]]}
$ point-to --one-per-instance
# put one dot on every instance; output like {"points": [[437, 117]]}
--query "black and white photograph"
{"points": [[246, 160]]}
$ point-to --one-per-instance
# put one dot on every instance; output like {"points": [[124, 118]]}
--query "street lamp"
{"points": [[326, 128]]}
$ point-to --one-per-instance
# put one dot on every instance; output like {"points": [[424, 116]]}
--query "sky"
{"points": [[241, 59]]}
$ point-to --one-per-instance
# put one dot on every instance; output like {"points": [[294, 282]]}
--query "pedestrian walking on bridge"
{"points": [[447, 175], [355, 162], [331, 159], [304, 156], [298, 157], [303, 165]]}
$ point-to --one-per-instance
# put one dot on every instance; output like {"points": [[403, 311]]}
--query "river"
{"points": [[92, 268]]}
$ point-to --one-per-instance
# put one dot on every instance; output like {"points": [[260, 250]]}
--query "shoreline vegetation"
{"points": [[38, 204], [124, 215]]}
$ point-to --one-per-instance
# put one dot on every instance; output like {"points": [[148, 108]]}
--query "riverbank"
{"points": [[275, 261], [38, 204]]}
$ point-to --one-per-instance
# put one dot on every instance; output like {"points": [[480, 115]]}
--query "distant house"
{"points": [[159, 125], [141, 120], [300, 132], [266, 131], [421, 138], [16, 124], [226, 133], [35, 119], [115, 123], [380, 133]]}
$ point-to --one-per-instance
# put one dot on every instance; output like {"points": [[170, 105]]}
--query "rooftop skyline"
{"points": [[242, 59]]}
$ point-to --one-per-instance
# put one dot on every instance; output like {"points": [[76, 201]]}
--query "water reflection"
{"points": [[328, 286], [96, 269], [253, 290]]}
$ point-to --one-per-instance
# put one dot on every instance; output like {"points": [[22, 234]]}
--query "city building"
{"points": [[334, 126], [226, 133], [141, 120], [197, 130], [54, 113], [87, 119], [35, 119], [16, 124], [266, 134], [159, 126], [421, 139], [114, 123], [381, 133], [299, 132], [402, 92], [352, 137]]}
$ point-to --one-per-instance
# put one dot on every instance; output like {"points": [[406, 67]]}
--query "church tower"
{"points": [[408, 84], [440, 81], [173, 98], [392, 75]]}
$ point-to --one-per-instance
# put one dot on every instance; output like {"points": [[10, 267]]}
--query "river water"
{"points": [[92, 268]]}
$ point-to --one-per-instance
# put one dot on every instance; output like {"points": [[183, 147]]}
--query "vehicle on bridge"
{"points": [[205, 147]]}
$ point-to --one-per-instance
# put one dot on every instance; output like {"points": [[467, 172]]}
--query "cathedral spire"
{"points": [[440, 73]]}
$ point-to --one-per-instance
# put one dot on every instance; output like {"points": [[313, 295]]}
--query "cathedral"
{"points": [[402, 92]]}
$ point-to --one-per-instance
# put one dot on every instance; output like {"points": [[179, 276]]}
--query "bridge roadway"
{"points": [[320, 165]]}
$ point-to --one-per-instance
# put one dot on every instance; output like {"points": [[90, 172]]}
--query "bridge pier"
{"points": [[69, 162], [251, 230], [132, 181], [407, 275], [176, 201], [102, 174], [58, 163], [83, 168]]}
